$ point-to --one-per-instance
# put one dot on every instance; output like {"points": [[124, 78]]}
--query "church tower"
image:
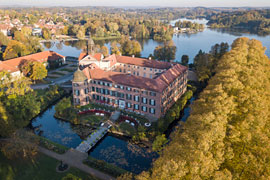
{"points": [[90, 46]]}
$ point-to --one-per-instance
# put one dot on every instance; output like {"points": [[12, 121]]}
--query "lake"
{"points": [[188, 44]]}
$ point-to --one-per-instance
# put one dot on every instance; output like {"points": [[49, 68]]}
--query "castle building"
{"points": [[143, 86]]}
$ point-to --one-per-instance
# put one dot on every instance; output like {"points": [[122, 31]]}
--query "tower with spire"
{"points": [[90, 46]]}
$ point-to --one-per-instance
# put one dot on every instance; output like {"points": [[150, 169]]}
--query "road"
{"points": [[58, 81], [75, 159]]}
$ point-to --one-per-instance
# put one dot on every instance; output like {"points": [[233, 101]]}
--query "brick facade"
{"points": [[151, 95]]}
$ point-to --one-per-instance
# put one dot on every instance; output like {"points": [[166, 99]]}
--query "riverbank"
{"points": [[70, 38]]}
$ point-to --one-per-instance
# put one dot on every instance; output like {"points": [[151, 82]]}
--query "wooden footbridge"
{"points": [[93, 138]]}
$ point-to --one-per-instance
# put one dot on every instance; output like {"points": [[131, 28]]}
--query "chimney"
{"points": [[133, 55]]}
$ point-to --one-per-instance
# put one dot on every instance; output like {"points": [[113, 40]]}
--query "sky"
{"points": [[138, 3]]}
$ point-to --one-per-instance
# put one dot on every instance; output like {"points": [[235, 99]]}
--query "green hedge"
{"points": [[50, 145], [104, 167]]}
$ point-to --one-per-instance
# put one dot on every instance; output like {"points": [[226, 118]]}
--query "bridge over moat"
{"points": [[93, 138]]}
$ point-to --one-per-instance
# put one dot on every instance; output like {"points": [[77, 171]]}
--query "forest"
{"points": [[257, 21], [227, 134]]}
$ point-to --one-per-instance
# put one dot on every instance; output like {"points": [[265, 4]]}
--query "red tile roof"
{"points": [[143, 62], [82, 55], [12, 65], [97, 56], [170, 75], [157, 85]]}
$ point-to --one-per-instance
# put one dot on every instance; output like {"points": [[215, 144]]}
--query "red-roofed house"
{"points": [[49, 58]]}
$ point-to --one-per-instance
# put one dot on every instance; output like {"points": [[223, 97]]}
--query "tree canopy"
{"points": [[227, 134], [166, 52]]}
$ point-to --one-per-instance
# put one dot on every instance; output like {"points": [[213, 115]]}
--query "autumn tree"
{"points": [[130, 47], [33, 69], [21, 145], [227, 134], [46, 34], [159, 143], [165, 52], [15, 49], [185, 60], [104, 50], [81, 33], [115, 49]]}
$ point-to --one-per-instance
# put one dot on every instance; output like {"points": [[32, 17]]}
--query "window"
{"points": [[97, 90], [136, 98], [120, 70], [95, 82], [144, 108], [128, 105], [138, 73], [152, 102], [128, 96], [150, 69], [93, 89], [144, 68], [144, 100], [94, 96], [102, 91], [110, 84], [160, 70], [128, 88], [121, 87], [77, 92], [87, 99], [151, 76], [77, 100], [144, 75], [152, 110], [136, 106]]}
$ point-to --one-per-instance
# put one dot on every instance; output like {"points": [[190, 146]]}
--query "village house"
{"points": [[49, 58], [143, 86]]}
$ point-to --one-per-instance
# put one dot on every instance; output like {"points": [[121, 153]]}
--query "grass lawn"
{"points": [[127, 128], [96, 106], [92, 119], [43, 168]]}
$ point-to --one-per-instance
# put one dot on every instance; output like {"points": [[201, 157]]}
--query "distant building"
{"points": [[37, 32], [5, 29], [49, 58], [143, 86]]}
